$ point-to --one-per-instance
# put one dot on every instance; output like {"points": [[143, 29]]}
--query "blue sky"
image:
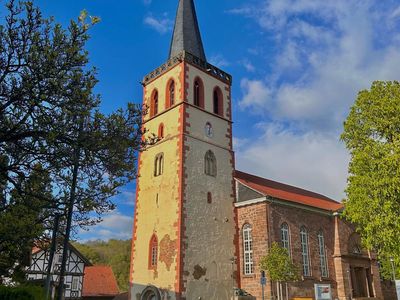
{"points": [[297, 66]]}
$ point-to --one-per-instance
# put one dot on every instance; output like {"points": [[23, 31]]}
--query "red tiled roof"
{"points": [[99, 281], [286, 192]]}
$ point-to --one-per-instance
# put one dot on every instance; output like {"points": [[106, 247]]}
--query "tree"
{"points": [[114, 253], [50, 116], [279, 266], [372, 135], [21, 223]]}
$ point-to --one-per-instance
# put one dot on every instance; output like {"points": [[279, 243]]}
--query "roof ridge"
{"points": [[298, 189]]}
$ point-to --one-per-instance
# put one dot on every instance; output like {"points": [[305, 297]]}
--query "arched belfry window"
{"points": [[198, 93], [210, 164], [305, 251], [217, 102], [159, 164], [322, 254], [285, 237], [153, 252], [248, 267], [171, 93], [154, 104]]}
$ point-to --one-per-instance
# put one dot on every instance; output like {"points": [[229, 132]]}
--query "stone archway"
{"points": [[150, 293]]}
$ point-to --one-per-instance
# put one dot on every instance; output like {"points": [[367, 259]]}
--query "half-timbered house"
{"points": [[75, 269]]}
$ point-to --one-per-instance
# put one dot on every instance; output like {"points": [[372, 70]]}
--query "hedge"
{"points": [[21, 293]]}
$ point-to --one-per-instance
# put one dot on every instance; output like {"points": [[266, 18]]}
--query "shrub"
{"points": [[21, 293]]}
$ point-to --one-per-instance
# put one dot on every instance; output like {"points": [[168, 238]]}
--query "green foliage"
{"points": [[278, 264], [114, 253], [21, 293], [22, 222], [50, 116], [386, 267], [372, 135]]}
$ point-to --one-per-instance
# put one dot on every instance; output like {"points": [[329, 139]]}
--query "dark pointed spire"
{"points": [[186, 35]]}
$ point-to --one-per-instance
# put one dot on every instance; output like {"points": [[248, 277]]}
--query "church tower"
{"points": [[184, 240]]}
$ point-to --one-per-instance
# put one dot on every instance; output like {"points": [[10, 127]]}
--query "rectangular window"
{"points": [[75, 282], [322, 255], [304, 252], [285, 238], [248, 250]]}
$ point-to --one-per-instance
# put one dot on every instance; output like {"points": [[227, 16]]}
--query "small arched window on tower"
{"points": [[171, 93], [209, 198], [153, 252], [154, 104], [159, 164], [210, 164], [247, 250], [217, 103], [198, 93], [161, 131]]}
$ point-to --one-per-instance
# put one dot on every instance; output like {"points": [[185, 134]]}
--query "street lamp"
{"points": [[393, 270], [233, 261]]}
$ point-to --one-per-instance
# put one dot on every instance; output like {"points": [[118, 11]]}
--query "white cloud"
{"points": [[219, 61], [127, 198], [310, 160], [248, 65], [396, 13], [114, 226], [326, 52], [161, 25], [332, 62], [256, 93]]}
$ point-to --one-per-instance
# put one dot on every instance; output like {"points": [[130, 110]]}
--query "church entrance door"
{"points": [[359, 282], [150, 293]]}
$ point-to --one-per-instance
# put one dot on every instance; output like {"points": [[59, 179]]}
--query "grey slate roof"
{"points": [[186, 35]]}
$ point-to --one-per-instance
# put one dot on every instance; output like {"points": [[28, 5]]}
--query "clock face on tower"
{"points": [[208, 130]]}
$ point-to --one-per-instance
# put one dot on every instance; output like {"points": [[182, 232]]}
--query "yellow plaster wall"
{"points": [[161, 85], [159, 216]]}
